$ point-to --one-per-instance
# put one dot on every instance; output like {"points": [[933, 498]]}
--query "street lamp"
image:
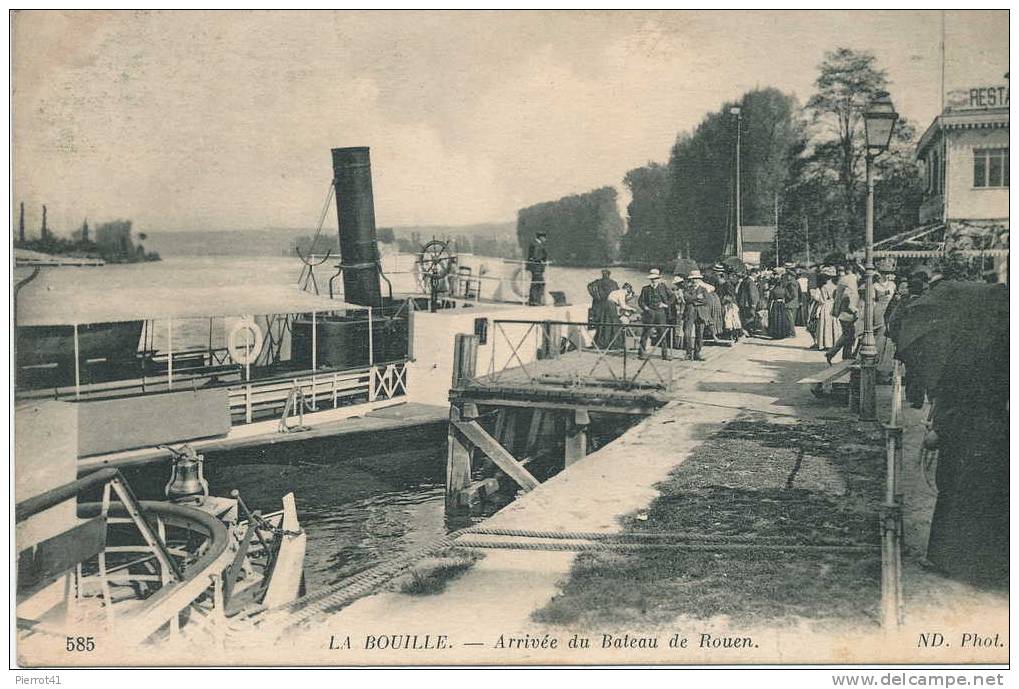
{"points": [[878, 124], [738, 112]]}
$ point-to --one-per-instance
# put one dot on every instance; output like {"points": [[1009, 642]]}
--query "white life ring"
{"points": [[245, 351], [519, 282]]}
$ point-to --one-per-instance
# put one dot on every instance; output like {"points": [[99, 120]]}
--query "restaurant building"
{"points": [[964, 156]]}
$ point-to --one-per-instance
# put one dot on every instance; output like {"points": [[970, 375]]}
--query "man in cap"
{"points": [[537, 260], [654, 302], [697, 313]]}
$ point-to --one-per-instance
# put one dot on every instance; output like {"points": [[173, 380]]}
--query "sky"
{"points": [[184, 121]]}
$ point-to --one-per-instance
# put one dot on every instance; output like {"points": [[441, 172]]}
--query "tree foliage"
{"points": [[583, 229], [810, 160], [688, 207]]}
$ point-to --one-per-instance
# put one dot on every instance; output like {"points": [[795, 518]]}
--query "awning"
{"points": [[40, 306]]}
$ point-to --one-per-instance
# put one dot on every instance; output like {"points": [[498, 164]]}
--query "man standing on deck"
{"points": [[654, 302], [537, 259]]}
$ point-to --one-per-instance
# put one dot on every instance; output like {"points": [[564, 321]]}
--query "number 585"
{"points": [[81, 644]]}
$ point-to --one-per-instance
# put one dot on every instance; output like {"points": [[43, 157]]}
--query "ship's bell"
{"points": [[187, 483]]}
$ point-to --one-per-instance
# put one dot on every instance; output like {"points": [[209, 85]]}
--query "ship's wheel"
{"points": [[435, 261]]}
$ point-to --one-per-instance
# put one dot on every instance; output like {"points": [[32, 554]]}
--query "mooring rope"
{"points": [[366, 582], [659, 535], [355, 586], [579, 546]]}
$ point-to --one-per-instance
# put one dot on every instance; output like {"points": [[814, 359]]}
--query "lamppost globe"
{"points": [[878, 123]]}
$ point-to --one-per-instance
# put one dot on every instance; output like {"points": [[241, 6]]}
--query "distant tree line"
{"points": [[583, 229], [804, 164]]}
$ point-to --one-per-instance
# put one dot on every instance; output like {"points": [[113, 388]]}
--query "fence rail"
{"points": [[620, 355]]}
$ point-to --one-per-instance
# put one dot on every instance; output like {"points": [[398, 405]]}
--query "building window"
{"points": [[990, 167]]}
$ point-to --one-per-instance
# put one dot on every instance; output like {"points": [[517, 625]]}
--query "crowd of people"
{"points": [[727, 302]]}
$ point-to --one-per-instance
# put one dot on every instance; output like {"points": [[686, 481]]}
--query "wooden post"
{"points": [[576, 436], [537, 416], [465, 358], [551, 336], [169, 354], [77, 365], [458, 465], [314, 345]]}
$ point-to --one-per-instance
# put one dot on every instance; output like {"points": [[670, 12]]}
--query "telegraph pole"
{"points": [[776, 231], [806, 237]]}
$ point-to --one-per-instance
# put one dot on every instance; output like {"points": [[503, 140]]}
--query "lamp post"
{"points": [[878, 122], [738, 112]]}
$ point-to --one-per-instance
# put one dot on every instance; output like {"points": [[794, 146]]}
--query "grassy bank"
{"points": [[802, 482]]}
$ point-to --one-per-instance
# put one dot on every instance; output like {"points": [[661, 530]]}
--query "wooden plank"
{"points": [[497, 453], [46, 561], [616, 407], [830, 373], [288, 571]]}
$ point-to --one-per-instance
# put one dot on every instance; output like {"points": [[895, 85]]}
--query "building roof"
{"points": [[758, 233], [54, 307], [987, 118]]}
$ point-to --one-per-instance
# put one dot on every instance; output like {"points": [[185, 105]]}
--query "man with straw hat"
{"points": [[654, 302], [697, 314]]}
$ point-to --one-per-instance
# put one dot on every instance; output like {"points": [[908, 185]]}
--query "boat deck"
{"points": [[333, 423]]}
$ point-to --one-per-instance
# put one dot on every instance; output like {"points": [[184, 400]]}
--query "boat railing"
{"points": [[162, 566]]}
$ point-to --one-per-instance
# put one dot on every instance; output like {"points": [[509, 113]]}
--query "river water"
{"points": [[360, 503]]}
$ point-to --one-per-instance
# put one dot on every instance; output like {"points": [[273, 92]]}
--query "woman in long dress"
{"points": [[828, 330], [779, 325], [716, 324]]}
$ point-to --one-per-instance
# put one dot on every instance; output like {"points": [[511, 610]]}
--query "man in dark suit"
{"points": [[748, 299], [537, 260], [654, 302], [791, 287], [697, 313]]}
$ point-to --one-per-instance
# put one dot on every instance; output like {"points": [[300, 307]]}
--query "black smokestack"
{"points": [[355, 208]]}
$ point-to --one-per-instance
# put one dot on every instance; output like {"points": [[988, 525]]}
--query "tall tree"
{"points": [[647, 214], [846, 83], [701, 201]]}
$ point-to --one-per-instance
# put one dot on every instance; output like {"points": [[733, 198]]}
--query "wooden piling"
{"points": [[465, 358], [576, 436], [458, 465]]}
